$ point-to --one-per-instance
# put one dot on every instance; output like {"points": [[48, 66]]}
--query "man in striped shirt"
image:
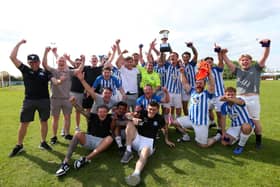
{"points": [[190, 65], [174, 86], [198, 118], [106, 80], [216, 103], [241, 124], [143, 101]]}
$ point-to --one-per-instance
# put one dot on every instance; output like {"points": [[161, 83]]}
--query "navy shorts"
{"points": [[29, 107]]}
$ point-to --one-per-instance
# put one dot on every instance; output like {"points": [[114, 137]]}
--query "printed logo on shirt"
{"points": [[155, 123]]}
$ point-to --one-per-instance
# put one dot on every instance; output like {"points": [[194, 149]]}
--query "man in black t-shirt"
{"points": [[36, 97], [91, 73], [142, 139], [98, 137]]}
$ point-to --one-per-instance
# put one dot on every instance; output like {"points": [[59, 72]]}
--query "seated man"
{"points": [[241, 124], [120, 124], [98, 137], [142, 139]]}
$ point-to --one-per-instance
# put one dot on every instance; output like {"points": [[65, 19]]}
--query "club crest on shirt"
{"points": [[155, 123], [195, 100], [233, 116]]}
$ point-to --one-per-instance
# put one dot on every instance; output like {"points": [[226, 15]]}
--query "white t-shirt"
{"points": [[129, 79]]}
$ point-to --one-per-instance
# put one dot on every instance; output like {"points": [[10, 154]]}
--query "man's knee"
{"points": [[246, 128]]}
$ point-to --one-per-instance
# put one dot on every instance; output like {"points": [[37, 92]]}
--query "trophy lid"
{"points": [[164, 34]]}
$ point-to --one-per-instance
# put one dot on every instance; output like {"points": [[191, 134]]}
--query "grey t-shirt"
{"points": [[61, 91], [248, 81], [100, 101]]}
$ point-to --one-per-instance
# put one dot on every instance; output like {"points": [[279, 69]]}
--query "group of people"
{"points": [[128, 99]]}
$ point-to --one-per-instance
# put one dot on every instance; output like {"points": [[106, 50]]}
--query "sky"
{"points": [[91, 27]]}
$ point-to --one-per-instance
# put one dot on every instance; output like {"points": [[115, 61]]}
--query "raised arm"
{"points": [[79, 108], [67, 57], [266, 45], [184, 80], [218, 50], [45, 59], [13, 55], [154, 48], [211, 84], [234, 100], [228, 62], [81, 66], [87, 87], [111, 57], [120, 59], [194, 50], [54, 51]]}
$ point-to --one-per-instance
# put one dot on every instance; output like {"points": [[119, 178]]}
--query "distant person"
{"points": [[248, 84], [36, 97], [241, 124]]}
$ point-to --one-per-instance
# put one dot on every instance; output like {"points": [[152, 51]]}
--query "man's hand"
{"points": [[169, 143]]}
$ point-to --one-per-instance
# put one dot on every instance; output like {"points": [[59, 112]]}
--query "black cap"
{"points": [[33, 58]]}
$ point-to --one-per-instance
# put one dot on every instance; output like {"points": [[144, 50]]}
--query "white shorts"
{"points": [[79, 97], [201, 131], [141, 142], [234, 132], [253, 106], [185, 96], [216, 104], [92, 141], [175, 101]]}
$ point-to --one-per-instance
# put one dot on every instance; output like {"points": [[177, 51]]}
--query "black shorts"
{"points": [[87, 101], [29, 107]]}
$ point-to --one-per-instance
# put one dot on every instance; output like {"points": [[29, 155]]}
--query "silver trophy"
{"points": [[164, 46]]}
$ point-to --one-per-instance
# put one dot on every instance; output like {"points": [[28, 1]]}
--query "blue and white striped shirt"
{"points": [[112, 83], [144, 102], [190, 69], [173, 82], [161, 71], [199, 107], [238, 114], [219, 82], [116, 73]]}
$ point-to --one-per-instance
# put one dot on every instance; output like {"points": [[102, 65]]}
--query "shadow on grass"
{"points": [[104, 170]]}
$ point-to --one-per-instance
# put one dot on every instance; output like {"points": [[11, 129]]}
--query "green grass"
{"points": [[186, 165]]}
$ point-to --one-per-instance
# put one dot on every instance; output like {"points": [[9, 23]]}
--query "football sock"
{"points": [[258, 139], [119, 141], [72, 146], [128, 148], [243, 139]]}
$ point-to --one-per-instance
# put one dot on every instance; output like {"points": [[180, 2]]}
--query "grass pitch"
{"points": [[185, 165]]}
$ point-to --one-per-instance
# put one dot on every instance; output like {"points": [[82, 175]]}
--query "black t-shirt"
{"points": [[99, 128], [91, 73], [35, 82], [76, 85], [150, 126]]}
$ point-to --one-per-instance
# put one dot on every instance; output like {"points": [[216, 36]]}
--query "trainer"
{"points": [[36, 97]]}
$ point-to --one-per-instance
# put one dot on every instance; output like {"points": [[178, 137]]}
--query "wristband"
{"points": [[141, 45], [265, 44], [217, 49], [189, 45]]}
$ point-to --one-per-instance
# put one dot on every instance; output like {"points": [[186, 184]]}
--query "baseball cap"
{"points": [[33, 58]]}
